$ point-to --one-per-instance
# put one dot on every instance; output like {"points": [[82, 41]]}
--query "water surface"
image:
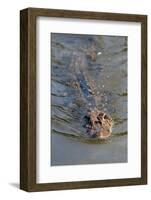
{"points": [[104, 63]]}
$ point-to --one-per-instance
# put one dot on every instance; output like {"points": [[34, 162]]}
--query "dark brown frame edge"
{"points": [[28, 98]]}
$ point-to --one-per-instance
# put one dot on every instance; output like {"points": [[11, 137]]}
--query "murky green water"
{"points": [[103, 60]]}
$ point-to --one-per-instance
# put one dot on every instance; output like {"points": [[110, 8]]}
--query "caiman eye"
{"points": [[105, 117], [101, 114]]}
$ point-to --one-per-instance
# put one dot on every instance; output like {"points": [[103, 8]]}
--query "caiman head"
{"points": [[99, 124]]}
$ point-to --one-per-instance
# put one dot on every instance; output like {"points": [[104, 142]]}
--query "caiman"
{"points": [[98, 124]]}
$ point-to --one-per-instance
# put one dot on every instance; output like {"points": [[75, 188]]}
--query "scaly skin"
{"points": [[98, 124]]}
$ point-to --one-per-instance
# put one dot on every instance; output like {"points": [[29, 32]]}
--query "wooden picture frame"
{"points": [[28, 99]]}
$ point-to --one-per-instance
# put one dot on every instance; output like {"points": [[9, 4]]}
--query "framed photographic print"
{"points": [[83, 93]]}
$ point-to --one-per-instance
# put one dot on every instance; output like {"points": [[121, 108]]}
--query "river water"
{"points": [[103, 60]]}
